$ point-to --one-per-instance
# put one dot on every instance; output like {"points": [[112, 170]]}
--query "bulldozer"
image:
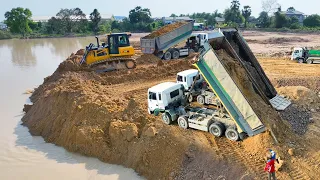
{"points": [[115, 54]]}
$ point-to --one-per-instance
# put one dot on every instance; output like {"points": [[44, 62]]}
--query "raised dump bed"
{"points": [[159, 41], [238, 48], [216, 74]]}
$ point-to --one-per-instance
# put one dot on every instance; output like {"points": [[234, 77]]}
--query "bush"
{"points": [[312, 21], [5, 35], [295, 26]]}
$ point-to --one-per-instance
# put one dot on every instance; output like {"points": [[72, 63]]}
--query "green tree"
{"points": [[246, 13], [18, 20], [95, 19], [264, 19], [291, 9], [312, 21], [173, 15], [233, 13], [74, 20], [141, 15], [280, 19]]}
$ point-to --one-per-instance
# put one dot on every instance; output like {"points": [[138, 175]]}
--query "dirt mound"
{"points": [[104, 116], [312, 83], [282, 40], [165, 30], [148, 59]]}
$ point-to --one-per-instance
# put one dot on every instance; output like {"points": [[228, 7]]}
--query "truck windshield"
{"points": [[152, 96], [180, 79]]}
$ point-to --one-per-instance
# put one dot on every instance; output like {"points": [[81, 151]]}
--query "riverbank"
{"points": [[7, 35]]}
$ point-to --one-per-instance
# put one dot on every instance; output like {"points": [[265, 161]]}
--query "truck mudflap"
{"points": [[228, 93]]}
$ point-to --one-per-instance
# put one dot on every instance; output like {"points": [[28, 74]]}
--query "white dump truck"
{"points": [[170, 99], [201, 92], [303, 55]]}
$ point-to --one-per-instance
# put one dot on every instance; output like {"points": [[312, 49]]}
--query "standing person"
{"points": [[270, 168]]}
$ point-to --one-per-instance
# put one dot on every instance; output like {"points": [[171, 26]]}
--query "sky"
{"points": [[159, 8]]}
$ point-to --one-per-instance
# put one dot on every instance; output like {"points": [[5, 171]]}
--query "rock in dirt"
{"points": [[27, 107], [291, 152], [150, 132], [128, 131]]}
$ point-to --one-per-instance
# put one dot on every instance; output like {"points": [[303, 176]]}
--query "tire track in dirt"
{"points": [[234, 153]]}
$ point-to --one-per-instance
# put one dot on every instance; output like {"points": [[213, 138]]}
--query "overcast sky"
{"points": [[159, 8]]}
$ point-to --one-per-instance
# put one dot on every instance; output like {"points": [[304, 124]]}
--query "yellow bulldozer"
{"points": [[115, 54]]}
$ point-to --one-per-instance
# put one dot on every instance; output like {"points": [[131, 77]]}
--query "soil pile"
{"points": [[165, 29], [105, 116]]}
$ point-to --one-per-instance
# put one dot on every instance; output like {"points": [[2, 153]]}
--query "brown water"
{"points": [[23, 65]]}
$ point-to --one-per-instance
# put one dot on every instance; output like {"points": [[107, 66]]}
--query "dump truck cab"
{"points": [[187, 78], [297, 53], [164, 96]]}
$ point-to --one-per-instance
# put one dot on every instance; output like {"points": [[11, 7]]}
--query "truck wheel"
{"points": [[167, 55], [166, 118], [309, 61], [300, 61], [232, 134], [175, 54], [200, 99], [183, 123], [217, 129]]}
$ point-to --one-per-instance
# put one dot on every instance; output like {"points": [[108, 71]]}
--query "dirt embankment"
{"points": [[104, 115]]}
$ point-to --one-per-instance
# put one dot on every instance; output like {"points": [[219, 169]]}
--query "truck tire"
{"points": [[183, 122], [167, 55], [175, 54], [166, 118], [217, 129], [200, 100], [300, 60], [309, 61], [232, 134]]}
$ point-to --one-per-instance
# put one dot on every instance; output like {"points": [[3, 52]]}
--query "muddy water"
{"points": [[23, 65]]}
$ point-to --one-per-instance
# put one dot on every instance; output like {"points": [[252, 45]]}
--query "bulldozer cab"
{"points": [[117, 40]]}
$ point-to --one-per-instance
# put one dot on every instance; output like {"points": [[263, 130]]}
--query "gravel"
{"points": [[298, 118]]}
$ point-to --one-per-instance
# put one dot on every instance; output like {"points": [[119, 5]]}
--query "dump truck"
{"points": [[303, 55], [165, 41], [200, 91], [240, 118]]}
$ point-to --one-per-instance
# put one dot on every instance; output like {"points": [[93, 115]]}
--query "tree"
{"points": [[312, 21], [233, 13], [173, 15], [18, 20], [280, 20], [141, 15], [264, 19], [291, 9], [246, 13], [95, 19], [270, 6], [72, 19]]}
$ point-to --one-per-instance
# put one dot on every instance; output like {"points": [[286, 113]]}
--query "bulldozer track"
{"points": [[114, 60], [233, 153]]}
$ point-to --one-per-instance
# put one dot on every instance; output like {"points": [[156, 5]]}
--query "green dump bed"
{"points": [[228, 92], [314, 53]]}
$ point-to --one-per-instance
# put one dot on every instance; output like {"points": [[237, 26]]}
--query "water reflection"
{"points": [[26, 52]]}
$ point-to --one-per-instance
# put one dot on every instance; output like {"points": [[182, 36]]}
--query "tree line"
{"points": [[74, 21]]}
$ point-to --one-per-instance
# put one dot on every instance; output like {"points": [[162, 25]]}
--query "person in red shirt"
{"points": [[270, 167]]}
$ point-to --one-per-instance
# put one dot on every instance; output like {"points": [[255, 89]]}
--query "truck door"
{"points": [[153, 101]]}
